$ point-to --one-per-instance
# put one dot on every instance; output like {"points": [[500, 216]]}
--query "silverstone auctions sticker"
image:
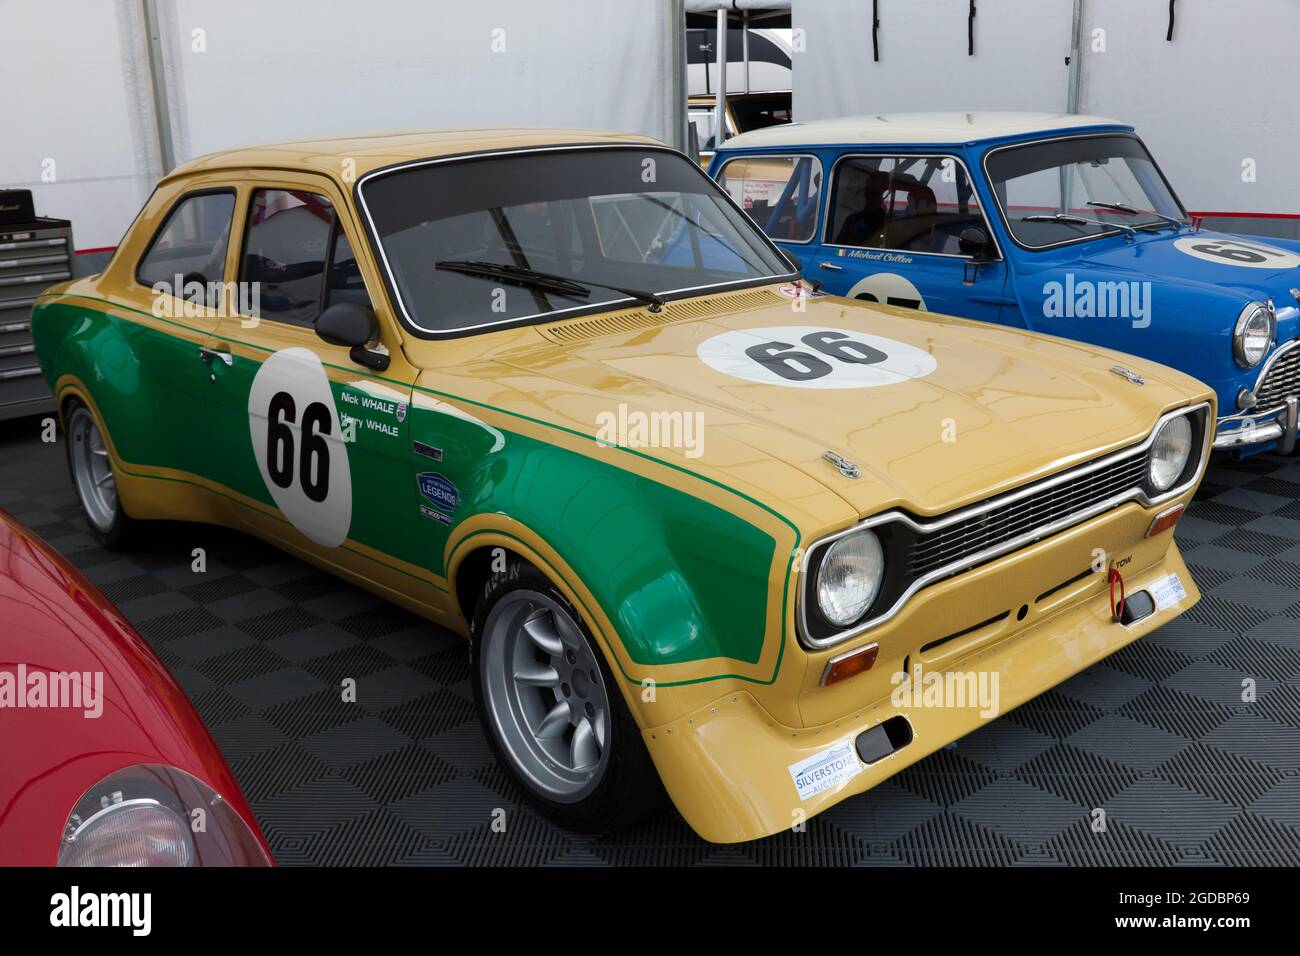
{"points": [[824, 770], [1167, 591], [811, 356]]}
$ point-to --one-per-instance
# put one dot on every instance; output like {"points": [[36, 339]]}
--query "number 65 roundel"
{"points": [[298, 443]]}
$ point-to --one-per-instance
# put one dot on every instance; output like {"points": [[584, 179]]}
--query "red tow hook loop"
{"points": [[1113, 577]]}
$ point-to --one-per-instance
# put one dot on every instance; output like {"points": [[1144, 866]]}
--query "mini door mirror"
{"points": [[346, 323], [975, 242]]}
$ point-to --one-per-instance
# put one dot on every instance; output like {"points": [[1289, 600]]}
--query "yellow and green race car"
{"points": [[554, 390]]}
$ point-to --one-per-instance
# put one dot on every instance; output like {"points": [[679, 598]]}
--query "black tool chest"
{"points": [[33, 256]]}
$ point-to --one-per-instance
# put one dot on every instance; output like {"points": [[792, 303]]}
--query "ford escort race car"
{"points": [[554, 391], [1051, 222]]}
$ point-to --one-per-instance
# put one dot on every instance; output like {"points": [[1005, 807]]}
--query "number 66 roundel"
{"points": [[810, 356], [299, 447]]}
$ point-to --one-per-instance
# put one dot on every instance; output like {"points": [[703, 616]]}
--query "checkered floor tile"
{"points": [[1156, 736]]}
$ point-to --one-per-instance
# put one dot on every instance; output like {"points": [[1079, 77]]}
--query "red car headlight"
{"points": [[155, 815]]}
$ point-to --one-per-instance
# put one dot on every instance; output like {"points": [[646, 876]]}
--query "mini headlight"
{"points": [[849, 577], [1253, 335], [1168, 456]]}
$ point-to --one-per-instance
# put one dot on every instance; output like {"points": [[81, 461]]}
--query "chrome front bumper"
{"points": [[1281, 429]]}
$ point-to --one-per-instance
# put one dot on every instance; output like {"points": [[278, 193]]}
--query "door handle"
{"points": [[209, 354], [831, 266]]}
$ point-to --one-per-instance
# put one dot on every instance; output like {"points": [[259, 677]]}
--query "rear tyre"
{"points": [[552, 711], [93, 479]]}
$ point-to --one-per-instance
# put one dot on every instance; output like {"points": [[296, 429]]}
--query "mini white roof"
{"points": [[887, 128]]}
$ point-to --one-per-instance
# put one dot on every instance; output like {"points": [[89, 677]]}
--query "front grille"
{"points": [[981, 531], [1282, 381]]}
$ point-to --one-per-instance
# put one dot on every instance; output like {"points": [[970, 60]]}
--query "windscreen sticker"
{"points": [[1235, 252], [809, 356], [888, 288], [1168, 591], [298, 443], [826, 769]]}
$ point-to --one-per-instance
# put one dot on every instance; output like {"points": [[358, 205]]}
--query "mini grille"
{"points": [[1003, 523], [1282, 382]]}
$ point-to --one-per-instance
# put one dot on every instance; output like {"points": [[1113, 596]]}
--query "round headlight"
{"points": [[1169, 453], [130, 833], [849, 577], [157, 815], [1253, 335]]}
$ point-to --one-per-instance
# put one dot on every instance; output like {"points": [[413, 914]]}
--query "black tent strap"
{"points": [[1170, 35], [875, 30], [970, 30]]}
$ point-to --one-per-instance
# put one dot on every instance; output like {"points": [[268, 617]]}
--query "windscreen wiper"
{"points": [[1130, 211], [1062, 218], [545, 281]]}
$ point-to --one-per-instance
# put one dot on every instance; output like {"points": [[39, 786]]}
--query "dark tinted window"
{"points": [[759, 112], [191, 244], [907, 203], [285, 242], [603, 219]]}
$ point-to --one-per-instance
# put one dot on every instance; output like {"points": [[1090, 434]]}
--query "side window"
{"points": [[704, 132], [285, 246], [860, 201], [188, 254], [345, 282], [780, 193], [931, 202], [908, 203]]}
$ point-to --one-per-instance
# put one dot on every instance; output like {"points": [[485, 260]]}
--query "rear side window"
{"points": [[780, 193], [286, 244], [190, 248], [907, 203]]}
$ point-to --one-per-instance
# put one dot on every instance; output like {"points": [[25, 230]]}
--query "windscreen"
{"points": [[465, 241]]}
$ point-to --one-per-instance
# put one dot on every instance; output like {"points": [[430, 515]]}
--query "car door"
{"points": [[893, 233], [178, 298], [301, 432]]}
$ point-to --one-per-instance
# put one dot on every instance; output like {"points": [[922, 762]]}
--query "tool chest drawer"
{"points": [[33, 256]]}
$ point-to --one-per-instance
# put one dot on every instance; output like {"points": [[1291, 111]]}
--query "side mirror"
{"points": [[346, 323], [975, 242]]}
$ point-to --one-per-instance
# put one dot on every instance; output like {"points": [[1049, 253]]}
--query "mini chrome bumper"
{"points": [[1281, 429]]}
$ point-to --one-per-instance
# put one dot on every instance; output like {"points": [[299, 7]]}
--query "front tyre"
{"points": [[94, 481], [551, 708]]}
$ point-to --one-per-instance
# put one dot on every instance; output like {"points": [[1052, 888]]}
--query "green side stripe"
{"points": [[280, 518], [545, 424]]}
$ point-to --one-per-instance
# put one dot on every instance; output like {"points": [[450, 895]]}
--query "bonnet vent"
{"points": [[634, 320]]}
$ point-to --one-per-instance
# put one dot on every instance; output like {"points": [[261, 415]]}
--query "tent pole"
{"points": [[1076, 58], [720, 117], [744, 44], [162, 119], [678, 115]]}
